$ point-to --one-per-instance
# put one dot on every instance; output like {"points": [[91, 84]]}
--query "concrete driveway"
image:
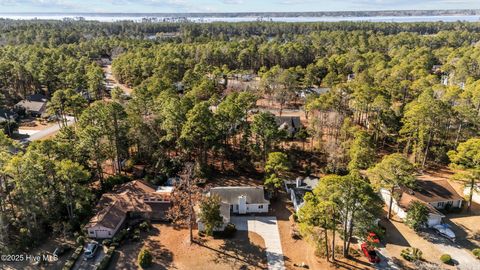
{"points": [[267, 228], [386, 262]]}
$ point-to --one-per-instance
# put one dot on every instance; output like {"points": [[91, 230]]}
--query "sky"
{"points": [[169, 6]]}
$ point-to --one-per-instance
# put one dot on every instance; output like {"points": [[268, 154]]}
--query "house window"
{"points": [[92, 232], [260, 206], [441, 204], [109, 233]]}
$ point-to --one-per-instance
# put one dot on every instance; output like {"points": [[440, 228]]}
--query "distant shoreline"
{"points": [[376, 13]]}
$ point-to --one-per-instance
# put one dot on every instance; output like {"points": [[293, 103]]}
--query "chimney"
{"points": [[299, 182]]}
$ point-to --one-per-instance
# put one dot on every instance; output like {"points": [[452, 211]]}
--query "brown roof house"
{"points": [[436, 195], [133, 200]]}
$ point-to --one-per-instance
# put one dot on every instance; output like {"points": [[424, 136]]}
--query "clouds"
{"points": [[144, 6]]}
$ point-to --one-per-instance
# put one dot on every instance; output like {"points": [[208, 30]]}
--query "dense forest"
{"points": [[411, 88]]}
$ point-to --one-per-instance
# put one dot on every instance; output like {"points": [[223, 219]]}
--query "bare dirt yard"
{"points": [[171, 250], [35, 124]]}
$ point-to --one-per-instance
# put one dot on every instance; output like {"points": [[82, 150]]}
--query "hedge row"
{"points": [[71, 261], [106, 260]]}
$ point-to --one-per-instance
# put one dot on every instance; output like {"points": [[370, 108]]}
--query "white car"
{"points": [[444, 230]]}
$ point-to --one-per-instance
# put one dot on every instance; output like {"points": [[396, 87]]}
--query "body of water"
{"points": [[207, 19]]}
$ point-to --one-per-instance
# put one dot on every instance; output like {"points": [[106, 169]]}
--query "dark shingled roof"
{"points": [[434, 191], [291, 121]]}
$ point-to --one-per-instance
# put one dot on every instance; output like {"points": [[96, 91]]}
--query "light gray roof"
{"points": [[255, 195]]}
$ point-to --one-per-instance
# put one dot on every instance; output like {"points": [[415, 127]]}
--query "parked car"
{"points": [[370, 253], [90, 250], [61, 249], [445, 231]]}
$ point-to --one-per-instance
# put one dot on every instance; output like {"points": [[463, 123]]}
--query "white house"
{"points": [[476, 193], [238, 200], [436, 195], [298, 188], [243, 200]]}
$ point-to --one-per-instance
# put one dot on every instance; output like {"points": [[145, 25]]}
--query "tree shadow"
{"points": [[393, 235], [239, 251], [346, 265], [162, 257], [281, 207]]}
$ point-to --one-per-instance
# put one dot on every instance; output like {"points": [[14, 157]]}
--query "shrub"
{"points": [[128, 166], [107, 242], [112, 181], [73, 258], [412, 254], [144, 258], [445, 258], [136, 237], [229, 230], [80, 240], [294, 233], [144, 226], [106, 260], [476, 252], [120, 236]]}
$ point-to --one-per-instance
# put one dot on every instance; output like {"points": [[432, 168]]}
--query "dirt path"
{"points": [[111, 81]]}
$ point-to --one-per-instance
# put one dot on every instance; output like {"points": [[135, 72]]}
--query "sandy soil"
{"points": [[36, 125], [171, 250]]}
